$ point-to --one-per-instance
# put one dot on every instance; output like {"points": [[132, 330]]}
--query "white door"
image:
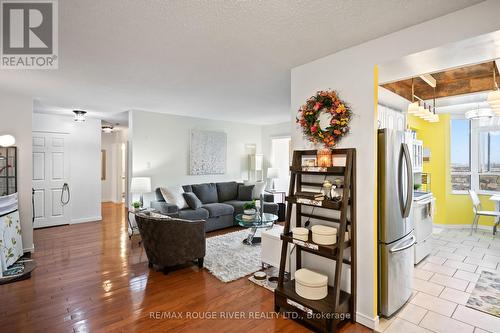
{"points": [[50, 174]]}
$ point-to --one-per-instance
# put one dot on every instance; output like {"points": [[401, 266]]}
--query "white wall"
{"points": [[351, 73], [15, 115], [85, 162], [160, 147], [111, 187]]}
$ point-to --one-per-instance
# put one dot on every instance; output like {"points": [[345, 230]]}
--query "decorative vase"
{"points": [[327, 189], [336, 193]]}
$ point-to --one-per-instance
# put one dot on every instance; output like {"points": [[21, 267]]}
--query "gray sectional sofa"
{"points": [[219, 204]]}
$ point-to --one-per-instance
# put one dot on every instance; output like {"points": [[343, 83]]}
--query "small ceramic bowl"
{"points": [[259, 275]]}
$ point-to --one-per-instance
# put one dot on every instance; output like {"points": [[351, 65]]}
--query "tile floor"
{"points": [[443, 282]]}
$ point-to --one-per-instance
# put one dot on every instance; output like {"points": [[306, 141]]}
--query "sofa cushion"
{"points": [[173, 195], [207, 193], [192, 200], [187, 188], [227, 191], [245, 192], [218, 209], [193, 214]]}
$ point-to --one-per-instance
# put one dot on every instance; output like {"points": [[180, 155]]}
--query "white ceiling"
{"points": [[214, 59]]}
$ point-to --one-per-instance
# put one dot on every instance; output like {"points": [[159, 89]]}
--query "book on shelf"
{"points": [[247, 217], [309, 194], [315, 202], [314, 169]]}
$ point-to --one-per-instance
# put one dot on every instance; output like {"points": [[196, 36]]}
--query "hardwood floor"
{"points": [[91, 278]]}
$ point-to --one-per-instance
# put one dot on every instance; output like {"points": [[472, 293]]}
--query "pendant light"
{"points": [[435, 116], [422, 111], [479, 113], [496, 108], [79, 116], [494, 96], [107, 128], [413, 107]]}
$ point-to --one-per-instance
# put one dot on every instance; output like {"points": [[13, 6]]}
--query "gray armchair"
{"points": [[171, 241]]}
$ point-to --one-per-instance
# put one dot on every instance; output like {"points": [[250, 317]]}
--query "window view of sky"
{"points": [[460, 144], [488, 158], [495, 150]]}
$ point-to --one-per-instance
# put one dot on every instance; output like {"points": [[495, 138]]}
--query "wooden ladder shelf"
{"points": [[338, 307]]}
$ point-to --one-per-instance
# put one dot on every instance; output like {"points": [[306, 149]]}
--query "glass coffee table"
{"points": [[265, 220]]}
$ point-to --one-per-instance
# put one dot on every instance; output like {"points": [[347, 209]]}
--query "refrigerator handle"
{"points": [[404, 247], [400, 181], [409, 182]]}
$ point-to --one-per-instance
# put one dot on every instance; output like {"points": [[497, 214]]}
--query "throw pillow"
{"points": [[258, 189], [245, 192], [207, 193], [173, 195], [192, 200], [227, 191]]}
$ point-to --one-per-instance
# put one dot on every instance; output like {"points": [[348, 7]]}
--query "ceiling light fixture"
{"points": [[413, 108], [434, 116], [79, 116], [496, 109], [424, 112], [107, 128], [479, 113]]}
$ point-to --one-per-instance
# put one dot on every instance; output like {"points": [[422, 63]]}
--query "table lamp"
{"points": [[140, 185]]}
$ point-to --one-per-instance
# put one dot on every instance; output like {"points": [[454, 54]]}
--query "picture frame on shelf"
{"points": [[309, 161]]}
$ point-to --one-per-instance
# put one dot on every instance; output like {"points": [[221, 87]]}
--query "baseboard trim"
{"points": [[463, 226], [86, 219], [364, 320]]}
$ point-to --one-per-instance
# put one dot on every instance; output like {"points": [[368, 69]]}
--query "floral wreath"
{"points": [[324, 104]]}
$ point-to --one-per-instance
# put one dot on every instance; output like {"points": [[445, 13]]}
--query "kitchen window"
{"points": [[489, 160], [475, 155], [460, 155]]}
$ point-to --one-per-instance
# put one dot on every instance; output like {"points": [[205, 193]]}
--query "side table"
{"points": [[132, 227], [281, 203]]}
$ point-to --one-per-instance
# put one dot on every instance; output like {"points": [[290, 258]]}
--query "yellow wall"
{"points": [[450, 208]]}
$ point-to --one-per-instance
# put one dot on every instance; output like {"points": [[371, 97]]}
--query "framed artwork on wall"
{"points": [[208, 150]]}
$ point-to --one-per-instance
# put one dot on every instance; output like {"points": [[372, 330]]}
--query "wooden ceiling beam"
{"points": [[458, 81]]}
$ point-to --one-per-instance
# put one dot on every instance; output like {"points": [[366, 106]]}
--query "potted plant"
{"points": [[249, 208], [136, 205]]}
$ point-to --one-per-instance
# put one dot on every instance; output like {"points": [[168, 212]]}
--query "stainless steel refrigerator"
{"points": [[395, 226]]}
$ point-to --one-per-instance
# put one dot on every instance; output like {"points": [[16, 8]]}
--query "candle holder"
{"points": [[324, 157]]}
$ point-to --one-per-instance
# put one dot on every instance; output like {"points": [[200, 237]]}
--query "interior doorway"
{"points": [[449, 121], [51, 191], [114, 166], [281, 158]]}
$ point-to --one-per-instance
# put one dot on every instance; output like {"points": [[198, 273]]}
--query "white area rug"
{"points": [[228, 259]]}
